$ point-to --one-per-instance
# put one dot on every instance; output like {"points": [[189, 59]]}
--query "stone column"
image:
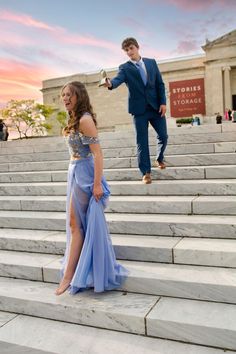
{"points": [[227, 87]]}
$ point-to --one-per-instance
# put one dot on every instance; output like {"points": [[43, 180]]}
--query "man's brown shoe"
{"points": [[147, 179], [160, 165]]}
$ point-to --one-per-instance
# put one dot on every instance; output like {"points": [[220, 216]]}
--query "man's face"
{"points": [[133, 52]]}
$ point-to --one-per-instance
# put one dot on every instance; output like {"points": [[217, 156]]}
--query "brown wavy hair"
{"points": [[83, 106], [128, 41]]}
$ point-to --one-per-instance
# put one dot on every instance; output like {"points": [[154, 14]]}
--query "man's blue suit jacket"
{"points": [[139, 94]]}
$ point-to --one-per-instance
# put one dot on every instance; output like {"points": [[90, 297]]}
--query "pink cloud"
{"points": [[61, 34], [17, 91], [86, 41], [195, 5], [187, 46], [24, 20], [192, 5], [15, 70], [19, 80], [14, 39]]}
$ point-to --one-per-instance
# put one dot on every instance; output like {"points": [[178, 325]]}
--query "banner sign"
{"points": [[187, 97]]}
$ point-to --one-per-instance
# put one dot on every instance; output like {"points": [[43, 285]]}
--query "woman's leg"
{"points": [[76, 243]]}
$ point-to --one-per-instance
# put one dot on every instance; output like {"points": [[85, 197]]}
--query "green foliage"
{"points": [[61, 117], [28, 117], [184, 121]]}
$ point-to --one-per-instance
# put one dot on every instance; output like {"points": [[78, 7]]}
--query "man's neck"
{"points": [[136, 60]]}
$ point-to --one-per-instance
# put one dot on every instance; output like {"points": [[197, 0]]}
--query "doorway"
{"points": [[234, 102]]}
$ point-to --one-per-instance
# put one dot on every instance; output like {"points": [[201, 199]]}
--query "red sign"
{"points": [[187, 97]]}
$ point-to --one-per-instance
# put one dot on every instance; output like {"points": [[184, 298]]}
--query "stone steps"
{"points": [[202, 159], [122, 174], [209, 226], [220, 187], [206, 130], [176, 236], [217, 187], [111, 152], [114, 173], [203, 205], [34, 166], [7, 348], [192, 321], [173, 280], [76, 338], [199, 159], [178, 139], [131, 247], [178, 250]]}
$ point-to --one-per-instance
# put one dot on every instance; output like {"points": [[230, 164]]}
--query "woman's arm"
{"points": [[88, 128]]}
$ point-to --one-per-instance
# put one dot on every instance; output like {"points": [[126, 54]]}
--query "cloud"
{"points": [[58, 33], [195, 31], [202, 4], [24, 20], [86, 40], [19, 80], [187, 46], [16, 90], [14, 39], [19, 71], [196, 5], [60, 52]]}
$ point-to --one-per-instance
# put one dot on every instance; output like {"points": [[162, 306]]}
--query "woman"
{"points": [[3, 130], [89, 260]]}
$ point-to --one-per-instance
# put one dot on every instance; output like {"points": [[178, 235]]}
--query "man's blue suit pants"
{"points": [[141, 123]]}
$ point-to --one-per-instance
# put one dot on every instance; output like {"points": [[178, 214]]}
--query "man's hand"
{"points": [[162, 110], [108, 83]]}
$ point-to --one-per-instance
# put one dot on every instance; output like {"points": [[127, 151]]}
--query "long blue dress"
{"points": [[97, 266]]}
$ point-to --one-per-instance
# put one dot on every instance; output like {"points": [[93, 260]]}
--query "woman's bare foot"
{"points": [[63, 286]]}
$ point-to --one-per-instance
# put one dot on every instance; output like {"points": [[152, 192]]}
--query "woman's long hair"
{"points": [[83, 106]]}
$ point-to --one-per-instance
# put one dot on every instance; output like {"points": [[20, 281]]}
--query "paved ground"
{"points": [[6, 348]]}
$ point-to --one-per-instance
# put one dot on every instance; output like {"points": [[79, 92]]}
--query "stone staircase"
{"points": [[177, 237]]}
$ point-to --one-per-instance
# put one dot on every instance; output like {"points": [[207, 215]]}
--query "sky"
{"points": [[45, 39]]}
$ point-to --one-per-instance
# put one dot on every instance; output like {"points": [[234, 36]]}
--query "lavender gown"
{"points": [[97, 266]]}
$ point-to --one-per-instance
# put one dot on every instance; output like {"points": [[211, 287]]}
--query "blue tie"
{"points": [[142, 72]]}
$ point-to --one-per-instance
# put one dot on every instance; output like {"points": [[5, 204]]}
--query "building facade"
{"points": [[199, 85]]}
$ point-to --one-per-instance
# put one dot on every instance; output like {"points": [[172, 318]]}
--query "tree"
{"points": [[28, 117], [61, 118]]}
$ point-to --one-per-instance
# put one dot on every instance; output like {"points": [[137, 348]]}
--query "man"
{"points": [[147, 103]]}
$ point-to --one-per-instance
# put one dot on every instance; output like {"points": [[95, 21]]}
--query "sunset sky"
{"points": [[50, 38]]}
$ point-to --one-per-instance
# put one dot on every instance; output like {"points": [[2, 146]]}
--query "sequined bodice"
{"points": [[79, 144]]}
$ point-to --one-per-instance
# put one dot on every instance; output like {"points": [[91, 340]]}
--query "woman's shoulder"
{"points": [[86, 119], [86, 115]]}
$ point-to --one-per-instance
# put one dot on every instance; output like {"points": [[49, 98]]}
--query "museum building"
{"points": [[196, 85]]}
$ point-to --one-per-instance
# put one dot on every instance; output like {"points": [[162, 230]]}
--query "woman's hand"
{"points": [[97, 191]]}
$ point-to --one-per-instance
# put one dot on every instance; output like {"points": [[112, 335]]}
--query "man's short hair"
{"points": [[129, 41]]}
